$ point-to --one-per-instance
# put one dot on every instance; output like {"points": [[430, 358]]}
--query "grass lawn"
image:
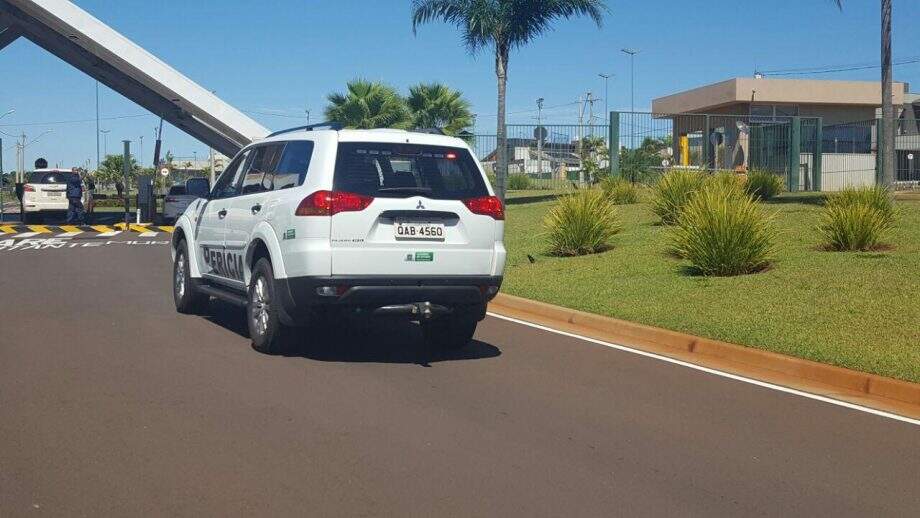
{"points": [[855, 310]]}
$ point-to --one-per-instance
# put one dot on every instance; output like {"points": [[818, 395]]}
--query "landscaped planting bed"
{"points": [[859, 310]]}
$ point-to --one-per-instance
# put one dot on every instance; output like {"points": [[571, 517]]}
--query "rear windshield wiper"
{"points": [[420, 190]]}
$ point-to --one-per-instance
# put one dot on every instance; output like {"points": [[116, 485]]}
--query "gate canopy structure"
{"points": [[75, 36]]}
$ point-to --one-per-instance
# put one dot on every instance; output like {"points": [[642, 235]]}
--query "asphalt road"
{"points": [[113, 404]]}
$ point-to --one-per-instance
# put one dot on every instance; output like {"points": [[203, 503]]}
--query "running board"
{"points": [[223, 294]]}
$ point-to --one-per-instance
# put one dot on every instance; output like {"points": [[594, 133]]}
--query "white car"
{"points": [[180, 196], [46, 193], [310, 223]]}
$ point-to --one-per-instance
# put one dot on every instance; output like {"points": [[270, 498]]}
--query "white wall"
{"points": [[839, 170]]}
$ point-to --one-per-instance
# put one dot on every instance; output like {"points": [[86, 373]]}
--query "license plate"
{"points": [[54, 194], [419, 231]]}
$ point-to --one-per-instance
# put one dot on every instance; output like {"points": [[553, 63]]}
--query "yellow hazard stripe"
{"points": [[102, 228], [70, 228], [8, 229], [167, 228], [41, 229], [139, 228]]}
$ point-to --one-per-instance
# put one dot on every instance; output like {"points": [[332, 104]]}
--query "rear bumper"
{"points": [[300, 300]]}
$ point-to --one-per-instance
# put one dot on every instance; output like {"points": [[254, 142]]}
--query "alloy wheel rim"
{"points": [[260, 305], [180, 276]]}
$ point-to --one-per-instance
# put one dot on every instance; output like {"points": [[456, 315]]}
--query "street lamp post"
{"points": [[105, 142], [632, 91], [606, 93]]}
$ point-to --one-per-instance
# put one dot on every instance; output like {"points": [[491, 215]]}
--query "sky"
{"points": [[275, 59]]}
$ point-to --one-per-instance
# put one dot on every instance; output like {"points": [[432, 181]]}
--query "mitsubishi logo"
{"points": [[420, 206]]}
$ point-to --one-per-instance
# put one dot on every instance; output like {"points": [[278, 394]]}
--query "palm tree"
{"points": [[887, 123], [434, 105], [368, 105], [504, 25]]}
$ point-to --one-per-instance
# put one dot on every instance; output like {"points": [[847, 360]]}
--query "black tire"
{"points": [[268, 334], [450, 332], [185, 292]]}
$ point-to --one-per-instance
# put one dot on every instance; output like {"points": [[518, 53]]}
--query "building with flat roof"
{"points": [[836, 102]]}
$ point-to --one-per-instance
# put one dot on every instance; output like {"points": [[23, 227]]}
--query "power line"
{"points": [[76, 121], [533, 110], [833, 68]]}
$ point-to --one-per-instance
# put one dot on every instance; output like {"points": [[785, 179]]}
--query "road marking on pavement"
{"points": [[148, 234], [110, 233], [101, 228], [8, 229], [39, 229], [764, 384], [26, 234], [70, 231]]}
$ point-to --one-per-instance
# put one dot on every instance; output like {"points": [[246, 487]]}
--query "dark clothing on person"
{"points": [[74, 201], [75, 213]]}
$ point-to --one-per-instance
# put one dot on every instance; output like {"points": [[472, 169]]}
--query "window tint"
{"points": [[404, 170], [177, 190], [225, 186], [52, 177], [258, 177], [197, 187], [294, 163]]}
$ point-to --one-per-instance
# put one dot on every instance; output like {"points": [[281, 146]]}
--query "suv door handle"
{"points": [[221, 213], [256, 208]]}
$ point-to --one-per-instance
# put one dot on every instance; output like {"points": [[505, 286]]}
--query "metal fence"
{"points": [[555, 157], [808, 154]]}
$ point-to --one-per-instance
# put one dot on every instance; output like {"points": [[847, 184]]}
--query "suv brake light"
{"points": [[329, 203], [487, 206], [28, 188]]}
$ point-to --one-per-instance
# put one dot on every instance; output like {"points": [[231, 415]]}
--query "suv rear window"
{"points": [[177, 190], [51, 177], [403, 170]]}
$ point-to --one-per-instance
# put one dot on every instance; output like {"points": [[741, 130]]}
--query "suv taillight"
{"points": [[487, 206], [28, 188], [329, 203]]}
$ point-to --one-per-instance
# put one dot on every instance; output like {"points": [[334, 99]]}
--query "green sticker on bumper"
{"points": [[424, 256]]}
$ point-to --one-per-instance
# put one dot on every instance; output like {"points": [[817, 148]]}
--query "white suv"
{"points": [[311, 222]]}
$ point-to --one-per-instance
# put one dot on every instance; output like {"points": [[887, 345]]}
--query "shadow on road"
{"points": [[375, 341]]}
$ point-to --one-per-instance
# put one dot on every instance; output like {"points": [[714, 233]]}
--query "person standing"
{"points": [[90, 204], [74, 199]]}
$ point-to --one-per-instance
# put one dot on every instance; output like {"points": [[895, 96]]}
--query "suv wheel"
{"points": [[449, 332], [185, 293], [268, 334]]}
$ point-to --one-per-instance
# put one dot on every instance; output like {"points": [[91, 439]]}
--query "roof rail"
{"points": [[432, 131], [310, 127]]}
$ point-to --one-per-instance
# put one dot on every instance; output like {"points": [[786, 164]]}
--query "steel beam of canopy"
{"points": [[8, 34], [72, 34]]}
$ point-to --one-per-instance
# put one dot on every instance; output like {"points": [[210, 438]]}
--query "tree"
{"points": [[503, 25], [887, 161], [434, 105], [368, 105], [111, 171]]}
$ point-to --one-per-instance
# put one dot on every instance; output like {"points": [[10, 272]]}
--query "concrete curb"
{"points": [[881, 393]]}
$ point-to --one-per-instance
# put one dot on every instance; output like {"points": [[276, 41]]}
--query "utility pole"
{"points": [[141, 150], [539, 135], [308, 117]]}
